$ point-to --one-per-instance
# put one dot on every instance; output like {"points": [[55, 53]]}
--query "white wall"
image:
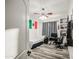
{"points": [[70, 12], [35, 35], [15, 18]]}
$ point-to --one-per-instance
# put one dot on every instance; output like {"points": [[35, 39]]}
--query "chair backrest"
{"points": [[53, 34], [62, 39]]}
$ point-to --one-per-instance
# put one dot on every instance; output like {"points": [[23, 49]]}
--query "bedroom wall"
{"points": [[36, 34], [70, 10]]}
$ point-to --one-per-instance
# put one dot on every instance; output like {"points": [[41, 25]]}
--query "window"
{"points": [[48, 28]]}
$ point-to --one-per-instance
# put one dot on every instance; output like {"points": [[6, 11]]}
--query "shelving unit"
{"points": [[63, 25]]}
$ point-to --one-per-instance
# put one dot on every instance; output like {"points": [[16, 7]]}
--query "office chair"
{"points": [[53, 38]]}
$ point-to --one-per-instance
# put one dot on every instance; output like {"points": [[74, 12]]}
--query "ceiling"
{"points": [[54, 6]]}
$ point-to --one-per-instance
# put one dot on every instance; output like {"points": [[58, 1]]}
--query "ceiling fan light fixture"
{"points": [[43, 17]]}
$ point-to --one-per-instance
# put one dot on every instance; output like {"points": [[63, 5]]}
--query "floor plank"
{"points": [[49, 52]]}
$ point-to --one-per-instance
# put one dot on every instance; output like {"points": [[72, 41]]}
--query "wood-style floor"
{"points": [[49, 52]]}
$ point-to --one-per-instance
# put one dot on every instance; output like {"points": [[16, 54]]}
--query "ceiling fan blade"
{"points": [[50, 13], [36, 13]]}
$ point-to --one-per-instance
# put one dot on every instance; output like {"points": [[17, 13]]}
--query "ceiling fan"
{"points": [[43, 13]]}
